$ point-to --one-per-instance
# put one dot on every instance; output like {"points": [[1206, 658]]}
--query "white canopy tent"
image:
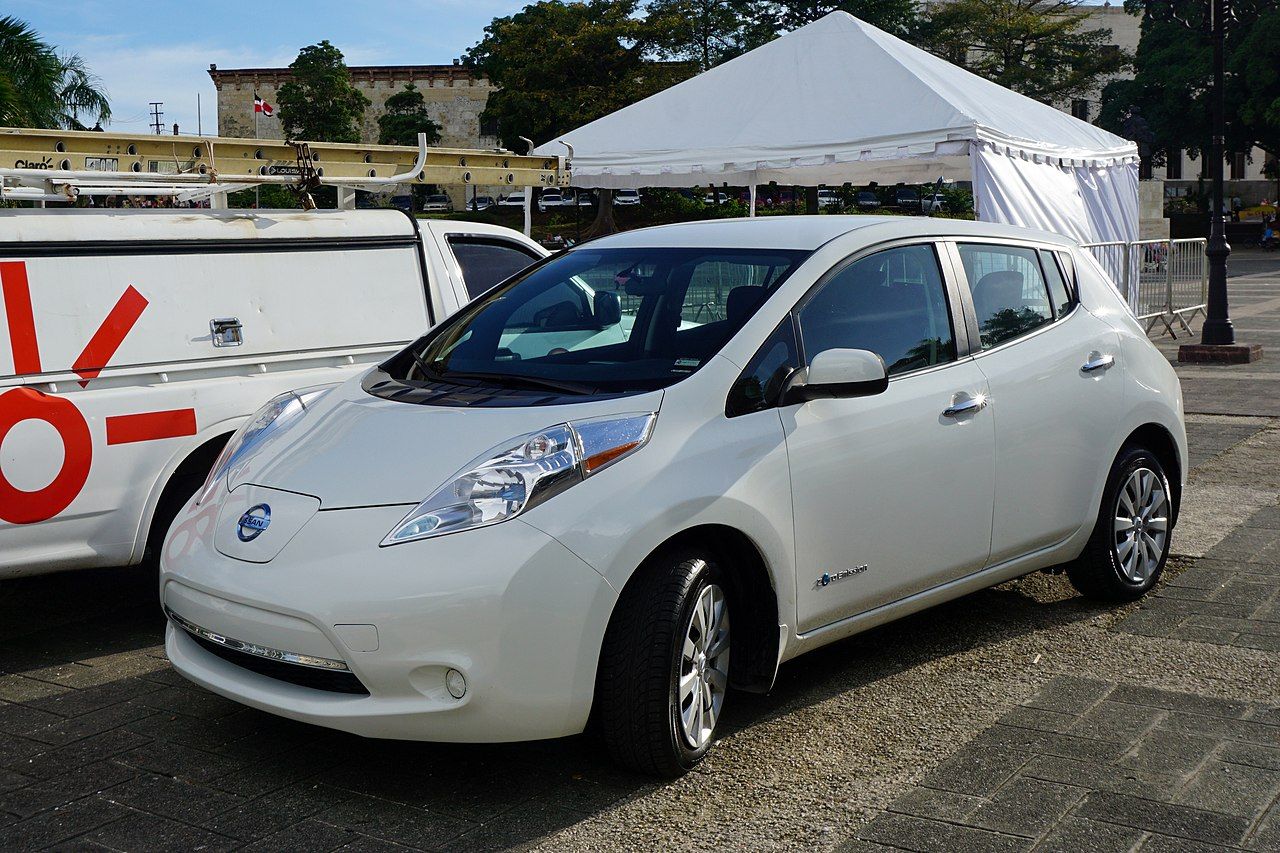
{"points": [[839, 100]]}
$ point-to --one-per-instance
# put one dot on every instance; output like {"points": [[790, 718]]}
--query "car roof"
{"points": [[810, 232]]}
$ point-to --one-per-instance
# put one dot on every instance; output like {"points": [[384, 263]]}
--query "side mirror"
{"points": [[607, 308], [839, 373]]}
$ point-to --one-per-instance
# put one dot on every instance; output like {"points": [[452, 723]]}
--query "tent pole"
{"points": [[752, 193], [528, 211]]}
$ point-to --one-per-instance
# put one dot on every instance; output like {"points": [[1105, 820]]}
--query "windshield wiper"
{"points": [[517, 380]]}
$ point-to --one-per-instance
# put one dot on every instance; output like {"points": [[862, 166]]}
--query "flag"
{"points": [[261, 106]]}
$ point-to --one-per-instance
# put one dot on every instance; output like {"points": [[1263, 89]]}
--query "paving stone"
{"points": [[1164, 818], [933, 803], [1153, 621], [1074, 835], [365, 844], [1243, 626], [16, 751], [73, 703], [22, 720], [1069, 695], [519, 826], [1250, 754], [142, 832], [182, 762], [173, 798], [1264, 642], [304, 837], [860, 845], [1266, 834], [915, 833], [1176, 753], [264, 816], [1038, 718], [1251, 730], [1049, 743], [10, 779], [1172, 844], [19, 688], [1135, 695], [68, 729], [194, 703], [1102, 777], [57, 825], [1237, 789], [1265, 714], [977, 770], [1117, 722], [396, 822], [54, 762], [68, 787], [1198, 634], [1027, 807]]}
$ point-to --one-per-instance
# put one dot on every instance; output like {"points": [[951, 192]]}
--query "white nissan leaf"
{"points": [[657, 466]]}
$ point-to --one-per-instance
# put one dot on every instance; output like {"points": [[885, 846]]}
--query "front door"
{"points": [[892, 493]]}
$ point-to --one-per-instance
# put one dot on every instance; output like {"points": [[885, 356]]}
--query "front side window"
{"points": [[1008, 287], [600, 321], [892, 303], [484, 263]]}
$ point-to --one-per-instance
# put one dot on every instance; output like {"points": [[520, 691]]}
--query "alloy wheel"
{"points": [[1141, 525], [704, 666]]}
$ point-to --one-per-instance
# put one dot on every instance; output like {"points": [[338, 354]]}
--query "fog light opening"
{"points": [[455, 683]]}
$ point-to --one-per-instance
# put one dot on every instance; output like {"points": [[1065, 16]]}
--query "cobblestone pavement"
{"points": [[1020, 715]]}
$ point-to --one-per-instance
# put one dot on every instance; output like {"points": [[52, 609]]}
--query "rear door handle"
{"points": [[1097, 361], [963, 404], [226, 332]]}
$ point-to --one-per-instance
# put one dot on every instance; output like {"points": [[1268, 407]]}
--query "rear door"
{"points": [[1055, 379]]}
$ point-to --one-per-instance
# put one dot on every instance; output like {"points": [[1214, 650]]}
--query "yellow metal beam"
{"points": [[232, 160]]}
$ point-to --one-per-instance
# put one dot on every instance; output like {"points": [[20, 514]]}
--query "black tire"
{"points": [[1098, 572], [640, 664]]}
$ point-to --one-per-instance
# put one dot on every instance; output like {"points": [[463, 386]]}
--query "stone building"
{"points": [[454, 99]]}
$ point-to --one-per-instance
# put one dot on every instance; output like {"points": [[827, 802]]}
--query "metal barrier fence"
{"points": [[1164, 281]]}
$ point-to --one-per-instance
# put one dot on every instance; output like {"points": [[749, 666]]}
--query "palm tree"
{"points": [[40, 88]]}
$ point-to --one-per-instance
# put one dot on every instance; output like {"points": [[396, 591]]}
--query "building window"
{"points": [[488, 125], [1173, 166], [1237, 166], [1080, 108]]}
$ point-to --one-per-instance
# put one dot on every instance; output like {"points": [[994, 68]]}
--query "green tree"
{"points": [[708, 32], [319, 103], [40, 87], [559, 65], [405, 117], [1041, 48], [899, 17]]}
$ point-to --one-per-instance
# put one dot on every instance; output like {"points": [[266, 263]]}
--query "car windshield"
{"points": [[599, 321], [436, 198]]}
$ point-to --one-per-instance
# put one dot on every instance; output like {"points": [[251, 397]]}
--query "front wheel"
{"points": [[1130, 543], [664, 668]]}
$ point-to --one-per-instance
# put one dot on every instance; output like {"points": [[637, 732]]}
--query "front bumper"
{"points": [[516, 613]]}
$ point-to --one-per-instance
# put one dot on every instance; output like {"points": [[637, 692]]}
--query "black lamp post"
{"points": [[1217, 336]]}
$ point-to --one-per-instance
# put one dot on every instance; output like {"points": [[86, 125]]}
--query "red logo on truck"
{"points": [[21, 404]]}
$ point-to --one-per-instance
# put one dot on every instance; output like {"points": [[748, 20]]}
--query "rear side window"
{"points": [[484, 263], [1063, 301], [1009, 292], [892, 303]]}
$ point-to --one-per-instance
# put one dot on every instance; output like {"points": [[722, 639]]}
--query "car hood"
{"points": [[351, 449]]}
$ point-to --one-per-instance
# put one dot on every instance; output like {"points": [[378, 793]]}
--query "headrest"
{"points": [[996, 290]]}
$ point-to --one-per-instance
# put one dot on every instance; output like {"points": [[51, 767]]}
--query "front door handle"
{"points": [[963, 404], [1097, 361]]}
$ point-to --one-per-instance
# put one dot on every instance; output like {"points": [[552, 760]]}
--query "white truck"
{"points": [[134, 342]]}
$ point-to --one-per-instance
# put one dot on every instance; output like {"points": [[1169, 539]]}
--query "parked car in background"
{"points": [[402, 202], [584, 198], [438, 203], [147, 337], [828, 198], [907, 199], [866, 200], [548, 199], [933, 203], [719, 197], [481, 202], [626, 197], [515, 199], [665, 461]]}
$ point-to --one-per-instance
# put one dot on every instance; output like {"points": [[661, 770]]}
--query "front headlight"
{"points": [[270, 420], [522, 473]]}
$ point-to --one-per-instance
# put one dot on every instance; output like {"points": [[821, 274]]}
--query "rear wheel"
{"points": [[1130, 544], [664, 668]]}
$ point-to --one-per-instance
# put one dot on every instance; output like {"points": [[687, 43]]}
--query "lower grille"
{"points": [[339, 680]]}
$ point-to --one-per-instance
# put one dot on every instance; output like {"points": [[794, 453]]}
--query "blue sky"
{"points": [[160, 51]]}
